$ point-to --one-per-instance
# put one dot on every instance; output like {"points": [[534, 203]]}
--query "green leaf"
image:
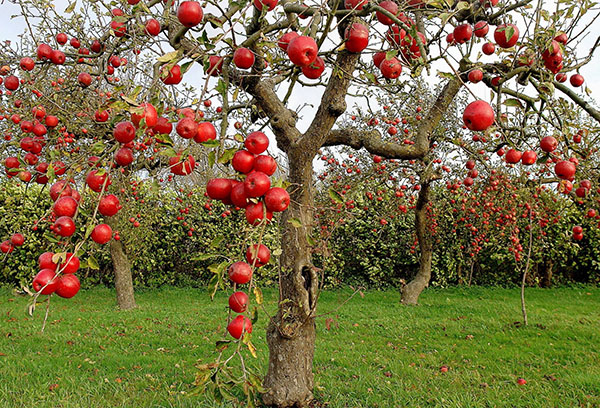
{"points": [[93, 263], [296, 223], [239, 137], [463, 5], [217, 241], [513, 102], [98, 147], [446, 75], [211, 158], [221, 88], [186, 67], [391, 54], [335, 196], [168, 152], [88, 230], [311, 241], [71, 7], [227, 155], [211, 143]]}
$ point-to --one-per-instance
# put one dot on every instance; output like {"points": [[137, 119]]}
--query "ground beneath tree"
{"points": [[370, 353]]}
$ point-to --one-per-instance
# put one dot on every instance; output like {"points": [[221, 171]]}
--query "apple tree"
{"points": [[271, 62]]}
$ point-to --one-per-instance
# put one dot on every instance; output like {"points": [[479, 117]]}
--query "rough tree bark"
{"points": [[547, 266], [122, 270], [291, 333], [411, 291]]}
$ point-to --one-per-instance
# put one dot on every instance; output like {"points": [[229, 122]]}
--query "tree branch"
{"points": [[578, 100]]}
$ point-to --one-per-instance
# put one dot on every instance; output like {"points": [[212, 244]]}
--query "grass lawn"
{"points": [[375, 353]]}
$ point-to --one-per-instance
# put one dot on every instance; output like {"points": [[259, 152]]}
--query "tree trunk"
{"points": [[411, 292], [291, 333], [546, 273], [122, 269]]}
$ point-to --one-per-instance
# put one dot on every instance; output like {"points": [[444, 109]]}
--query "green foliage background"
{"points": [[356, 251]]}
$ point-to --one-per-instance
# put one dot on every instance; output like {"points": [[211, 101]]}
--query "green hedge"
{"points": [[357, 251]]}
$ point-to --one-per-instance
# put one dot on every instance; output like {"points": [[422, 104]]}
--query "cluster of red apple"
{"points": [[9, 245], [57, 278], [32, 146], [257, 168], [259, 200]]}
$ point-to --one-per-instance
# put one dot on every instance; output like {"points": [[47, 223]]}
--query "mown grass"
{"points": [[375, 352]]}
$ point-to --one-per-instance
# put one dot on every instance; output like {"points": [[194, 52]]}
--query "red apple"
{"points": [[256, 184], [124, 132], [270, 4], [124, 156], [65, 206], [391, 68], [529, 157], [478, 116], [218, 188], [206, 132], [481, 29], [84, 79], [265, 164], [238, 196], [302, 50], [152, 27], [6, 247], [101, 234], [45, 261], [173, 77], [260, 253], [238, 302], [513, 156], [243, 58], [243, 161], [390, 6], [238, 326], [71, 264], [463, 33], [565, 170], [64, 226], [255, 213], [314, 69], [285, 39], [506, 35], [97, 181], [109, 205], [576, 80], [475, 75], [45, 277], [187, 128], [240, 273], [17, 239], [357, 37], [68, 286], [488, 48], [548, 144], [277, 199], [148, 113], [190, 13], [256, 142]]}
